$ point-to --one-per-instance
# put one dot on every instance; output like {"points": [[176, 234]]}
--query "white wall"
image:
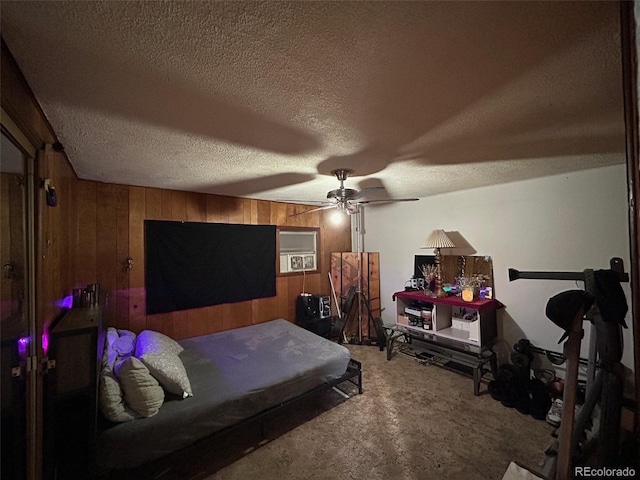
{"points": [[569, 222]]}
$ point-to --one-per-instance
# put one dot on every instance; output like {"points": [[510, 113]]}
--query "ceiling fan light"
{"points": [[336, 217]]}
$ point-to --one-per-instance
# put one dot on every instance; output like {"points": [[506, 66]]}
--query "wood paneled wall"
{"points": [[105, 225], [55, 232]]}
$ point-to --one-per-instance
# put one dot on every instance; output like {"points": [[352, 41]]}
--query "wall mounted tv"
{"points": [[191, 265]]}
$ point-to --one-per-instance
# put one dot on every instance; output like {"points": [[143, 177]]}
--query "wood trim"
{"points": [[20, 138], [19, 102], [630, 84]]}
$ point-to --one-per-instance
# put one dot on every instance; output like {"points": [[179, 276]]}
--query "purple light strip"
{"points": [[66, 302], [23, 343], [45, 343]]}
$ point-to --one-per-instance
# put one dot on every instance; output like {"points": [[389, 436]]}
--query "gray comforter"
{"points": [[234, 375]]}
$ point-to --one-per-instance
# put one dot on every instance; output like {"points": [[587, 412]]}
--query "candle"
{"points": [[467, 293]]}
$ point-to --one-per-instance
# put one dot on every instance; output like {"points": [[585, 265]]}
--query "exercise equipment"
{"points": [[604, 370]]}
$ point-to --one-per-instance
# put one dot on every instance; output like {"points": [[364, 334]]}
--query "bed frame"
{"points": [[158, 468]]}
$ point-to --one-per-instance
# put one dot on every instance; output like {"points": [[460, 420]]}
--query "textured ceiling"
{"points": [[264, 99]]}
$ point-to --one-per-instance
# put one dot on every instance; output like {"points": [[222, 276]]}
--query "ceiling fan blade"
{"points": [[326, 207], [305, 202], [388, 200], [366, 191], [257, 184]]}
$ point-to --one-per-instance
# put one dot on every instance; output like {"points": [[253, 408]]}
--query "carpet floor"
{"points": [[413, 421]]}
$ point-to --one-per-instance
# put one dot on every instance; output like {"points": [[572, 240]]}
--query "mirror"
{"points": [[455, 266], [14, 328]]}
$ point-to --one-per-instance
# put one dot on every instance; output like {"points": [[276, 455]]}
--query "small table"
{"points": [[428, 348]]}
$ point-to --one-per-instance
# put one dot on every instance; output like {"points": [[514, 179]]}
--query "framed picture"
{"points": [[296, 263], [309, 262]]}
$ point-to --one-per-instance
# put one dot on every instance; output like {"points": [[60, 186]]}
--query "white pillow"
{"points": [[141, 391], [110, 399], [160, 355], [110, 354], [117, 345], [123, 332], [125, 345], [157, 342]]}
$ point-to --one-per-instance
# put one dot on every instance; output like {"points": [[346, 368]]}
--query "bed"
{"points": [[234, 376]]}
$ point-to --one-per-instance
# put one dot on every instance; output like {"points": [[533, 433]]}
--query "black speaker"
{"points": [[306, 307], [312, 314]]}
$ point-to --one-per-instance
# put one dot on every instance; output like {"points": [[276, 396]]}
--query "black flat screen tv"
{"points": [[192, 265], [419, 261]]}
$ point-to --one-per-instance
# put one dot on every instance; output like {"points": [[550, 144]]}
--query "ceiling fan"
{"points": [[347, 199]]}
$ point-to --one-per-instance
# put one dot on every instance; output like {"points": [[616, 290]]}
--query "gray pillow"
{"points": [[111, 401], [141, 391]]}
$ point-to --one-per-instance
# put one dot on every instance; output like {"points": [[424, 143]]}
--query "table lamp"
{"points": [[439, 239]]}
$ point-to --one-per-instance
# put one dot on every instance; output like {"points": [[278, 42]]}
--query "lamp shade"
{"points": [[438, 239]]}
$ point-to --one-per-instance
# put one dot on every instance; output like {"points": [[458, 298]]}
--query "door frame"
{"points": [[13, 132]]}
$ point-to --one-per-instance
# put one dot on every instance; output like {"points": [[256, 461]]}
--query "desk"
{"points": [[456, 334], [470, 324]]}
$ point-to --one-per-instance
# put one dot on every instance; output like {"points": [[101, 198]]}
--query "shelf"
{"points": [[414, 329], [457, 334], [433, 348], [462, 319]]}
